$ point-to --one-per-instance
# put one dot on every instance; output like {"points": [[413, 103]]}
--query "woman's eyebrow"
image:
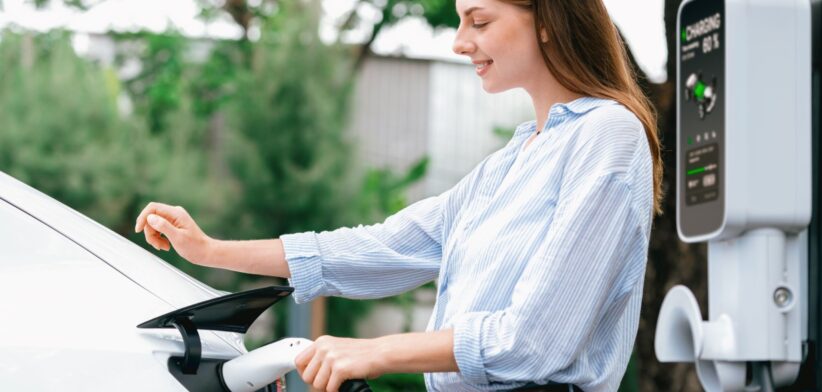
{"points": [[470, 10]]}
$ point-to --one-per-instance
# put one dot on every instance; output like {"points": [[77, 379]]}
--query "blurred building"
{"points": [[405, 109]]}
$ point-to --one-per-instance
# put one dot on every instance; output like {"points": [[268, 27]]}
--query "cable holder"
{"points": [[231, 313]]}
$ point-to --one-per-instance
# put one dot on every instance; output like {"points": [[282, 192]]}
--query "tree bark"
{"points": [[670, 261]]}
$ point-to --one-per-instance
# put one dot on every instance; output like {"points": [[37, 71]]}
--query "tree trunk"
{"points": [[670, 261]]}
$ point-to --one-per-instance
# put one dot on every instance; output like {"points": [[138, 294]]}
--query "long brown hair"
{"points": [[585, 53]]}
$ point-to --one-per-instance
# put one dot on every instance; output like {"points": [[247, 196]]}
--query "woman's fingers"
{"points": [[321, 379], [141, 219], [329, 362], [154, 222], [304, 358], [161, 225], [175, 214], [165, 226], [155, 238], [152, 237], [310, 371], [334, 382], [158, 214]]}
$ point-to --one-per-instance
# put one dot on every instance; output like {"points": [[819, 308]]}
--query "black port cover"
{"points": [[232, 312]]}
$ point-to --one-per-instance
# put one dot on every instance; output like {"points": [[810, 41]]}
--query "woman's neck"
{"points": [[545, 95]]}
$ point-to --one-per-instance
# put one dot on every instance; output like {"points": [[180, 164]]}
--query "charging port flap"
{"points": [[233, 313]]}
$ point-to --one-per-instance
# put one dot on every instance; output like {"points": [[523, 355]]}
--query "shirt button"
{"points": [[560, 110]]}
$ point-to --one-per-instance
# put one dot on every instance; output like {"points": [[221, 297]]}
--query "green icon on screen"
{"points": [[699, 91], [695, 171], [704, 95], [684, 36]]}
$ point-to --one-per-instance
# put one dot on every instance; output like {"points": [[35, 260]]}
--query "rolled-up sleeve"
{"points": [[369, 261], [562, 294], [304, 262], [389, 258]]}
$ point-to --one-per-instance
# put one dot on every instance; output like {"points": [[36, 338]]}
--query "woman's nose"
{"points": [[462, 45]]}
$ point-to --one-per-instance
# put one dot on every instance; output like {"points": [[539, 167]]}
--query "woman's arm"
{"points": [[166, 225], [361, 262], [330, 361], [259, 257], [419, 352]]}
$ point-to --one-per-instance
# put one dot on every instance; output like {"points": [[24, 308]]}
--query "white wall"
{"points": [[389, 122], [463, 117], [405, 109]]}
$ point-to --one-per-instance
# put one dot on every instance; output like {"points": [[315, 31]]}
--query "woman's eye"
{"points": [[479, 25]]}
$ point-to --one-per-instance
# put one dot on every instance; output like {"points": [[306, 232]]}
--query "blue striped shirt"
{"points": [[539, 254]]}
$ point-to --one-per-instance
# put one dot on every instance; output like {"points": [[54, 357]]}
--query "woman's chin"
{"points": [[493, 88]]}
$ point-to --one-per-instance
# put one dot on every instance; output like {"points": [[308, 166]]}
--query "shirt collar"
{"points": [[578, 106], [582, 105]]}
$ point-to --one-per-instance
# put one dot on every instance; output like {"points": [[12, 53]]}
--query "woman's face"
{"points": [[500, 40]]}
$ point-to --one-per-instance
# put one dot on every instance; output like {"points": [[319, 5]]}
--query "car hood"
{"points": [[131, 285]]}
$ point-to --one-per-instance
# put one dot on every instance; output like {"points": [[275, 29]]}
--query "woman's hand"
{"points": [[330, 361], [165, 226]]}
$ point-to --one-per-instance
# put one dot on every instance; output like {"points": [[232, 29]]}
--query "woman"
{"points": [[539, 252]]}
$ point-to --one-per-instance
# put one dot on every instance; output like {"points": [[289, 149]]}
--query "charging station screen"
{"points": [[701, 116]]}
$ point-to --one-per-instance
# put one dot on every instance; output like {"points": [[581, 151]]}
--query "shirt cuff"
{"points": [[468, 347], [302, 254]]}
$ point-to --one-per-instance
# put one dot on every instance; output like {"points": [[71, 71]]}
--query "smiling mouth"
{"points": [[483, 66]]}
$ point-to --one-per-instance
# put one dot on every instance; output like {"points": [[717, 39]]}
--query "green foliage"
{"points": [[440, 13], [398, 383], [215, 83], [504, 133], [341, 315], [157, 89], [250, 141], [630, 381], [76, 149], [383, 191], [62, 134], [289, 152], [382, 194], [77, 4]]}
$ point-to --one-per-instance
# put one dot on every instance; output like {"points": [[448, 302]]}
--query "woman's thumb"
{"points": [[159, 223]]}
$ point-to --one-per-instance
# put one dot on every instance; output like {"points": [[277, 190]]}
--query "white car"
{"points": [[72, 294]]}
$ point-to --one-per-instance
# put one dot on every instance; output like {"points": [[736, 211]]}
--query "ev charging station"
{"points": [[748, 101]]}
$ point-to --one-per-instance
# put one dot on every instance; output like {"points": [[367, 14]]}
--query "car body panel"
{"points": [[35, 370], [71, 295]]}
